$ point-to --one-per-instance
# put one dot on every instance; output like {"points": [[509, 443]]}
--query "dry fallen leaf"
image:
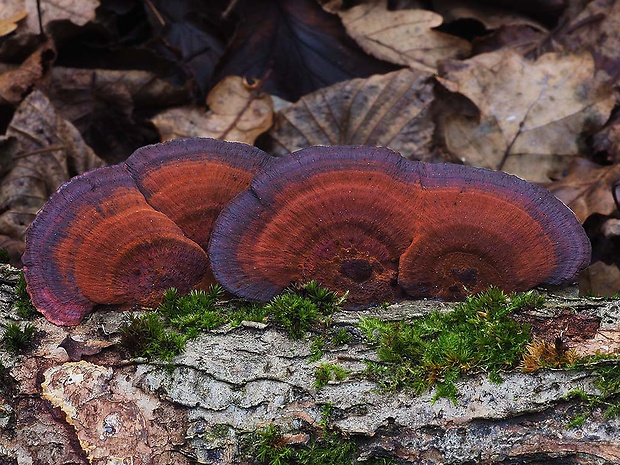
{"points": [[102, 104], [596, 29], [586, 189], [606, 142], [78, 12], [600, 279], [532, 117], [18, 82], [491, 16], [8, 21], [238, 112], [404, 37], [51, 151], [294, 46], [391, 110]]}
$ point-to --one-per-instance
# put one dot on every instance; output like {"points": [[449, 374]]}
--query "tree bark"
{"points": [[75, 398]]}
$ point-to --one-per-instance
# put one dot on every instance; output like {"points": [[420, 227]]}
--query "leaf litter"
{"points": [[522, 89]]}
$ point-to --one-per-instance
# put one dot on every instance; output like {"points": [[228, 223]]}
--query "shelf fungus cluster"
{"points": [[122, 235], [359, 219]]}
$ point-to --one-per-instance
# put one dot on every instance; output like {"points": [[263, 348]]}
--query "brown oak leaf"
{"points": [[238, 112], [391, 110], [532, 115], [405, 37], [587, 188]]}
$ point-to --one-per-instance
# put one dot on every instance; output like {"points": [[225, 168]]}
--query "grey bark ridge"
{"points": [[231, 381]]}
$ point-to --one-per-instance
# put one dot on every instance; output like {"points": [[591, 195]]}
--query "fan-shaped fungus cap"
{"points": [[98, 241], [483, 228], [345, 215], [191, 180], [340, 215]]}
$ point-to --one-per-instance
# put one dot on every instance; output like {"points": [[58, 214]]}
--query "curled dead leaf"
{"points": [[391, 110], [16, 83], [50, 151], [295, 47], [8, 22], [405, 37], [78, 12], [532, 116], [491, 16], [596, 29], [238, 112], [103, 104], [600, 279], [587, 188]]}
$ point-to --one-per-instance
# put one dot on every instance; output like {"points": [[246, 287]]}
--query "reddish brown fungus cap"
{"points": [[191, 180], [98, 241], [340, 215], [484, 228], [345, 215]]}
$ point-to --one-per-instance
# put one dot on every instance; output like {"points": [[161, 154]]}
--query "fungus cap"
{"points": [[339, 215], [97, 241], [190, 180], [484, 228], [371, 222]]}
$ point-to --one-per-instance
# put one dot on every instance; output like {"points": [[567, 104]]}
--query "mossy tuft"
{"points": [[17, 339], [23, 304], [544, 354], [606, 368], [164, 332], [434, 351], [299, 308], [327, 372]]}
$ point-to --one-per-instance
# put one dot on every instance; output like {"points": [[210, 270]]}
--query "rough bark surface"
{"points": [[74, 398]]}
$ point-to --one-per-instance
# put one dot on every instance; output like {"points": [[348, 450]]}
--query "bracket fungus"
{"points": [[356, 219], [123, 234], [368, 221], [191, 180]]}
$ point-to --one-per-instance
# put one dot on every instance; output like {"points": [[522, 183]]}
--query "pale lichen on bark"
{"points": [[231, 381]]}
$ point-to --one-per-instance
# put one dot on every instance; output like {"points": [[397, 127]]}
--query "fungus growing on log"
{"points": [[366, 220], [97, 241], [191, 180], [123, 234], [485, 227]]}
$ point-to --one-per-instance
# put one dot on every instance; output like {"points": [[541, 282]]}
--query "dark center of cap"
{"points": [[356, 270]]}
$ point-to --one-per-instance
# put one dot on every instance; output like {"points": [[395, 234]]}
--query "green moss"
{"points": [[316, 348], [329, 340], [163, 333], [23, 304], [269, 447], [297, 309], [16, 339], [301, 307], [327, 372], [248, 311], [478, 336], [341, 337], [606, 368]]}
